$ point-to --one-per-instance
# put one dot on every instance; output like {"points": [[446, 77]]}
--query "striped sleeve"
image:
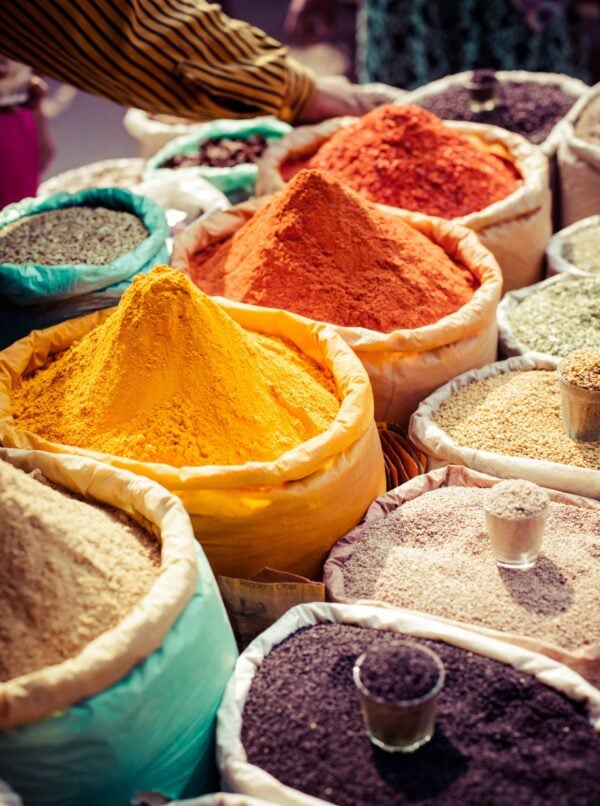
{"points": [[177, 57]]}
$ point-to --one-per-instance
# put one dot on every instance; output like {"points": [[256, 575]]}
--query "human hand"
{"points": [[335, 96], [309, 20]]}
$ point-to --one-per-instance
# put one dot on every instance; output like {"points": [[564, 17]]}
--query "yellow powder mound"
{"points": [[171, 378]]}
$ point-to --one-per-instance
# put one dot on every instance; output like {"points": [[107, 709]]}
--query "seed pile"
{"points": [[398, 672], [515, 413], [221, 152], [516, 499], [588, 125], [69, 571], [89, 235], [524, 107], [582, 248], [124, 173], [320, 250], [582, 369], [404, 156], [170, 377], [441, 536], [501, 736], [559, 318]]}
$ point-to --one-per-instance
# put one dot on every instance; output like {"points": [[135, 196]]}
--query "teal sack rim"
{"points": [[229, 180], [37, 283]]}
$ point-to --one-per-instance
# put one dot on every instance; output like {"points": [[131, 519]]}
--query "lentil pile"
{"points": [[441, 536], [524, 107], [319, 249], [404, 156], [501, 736], [582, 248], [588, 124], [69, 571], [582, 369], [90, 235], [559, 318], [169, 377], [221, 152], [515, 413]]}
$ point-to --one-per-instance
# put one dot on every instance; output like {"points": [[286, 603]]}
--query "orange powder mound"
{"points": [[404, 156], [170, 377], [319, 249]]}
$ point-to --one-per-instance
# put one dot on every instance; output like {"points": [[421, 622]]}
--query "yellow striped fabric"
{"points": [[177, 57]]}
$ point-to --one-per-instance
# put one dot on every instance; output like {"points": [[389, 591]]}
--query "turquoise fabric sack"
{"points": [[36, 284], [237, 182], [152, 731]]}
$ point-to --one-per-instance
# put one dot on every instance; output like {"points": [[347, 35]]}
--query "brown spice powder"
{"points": [[518, 414], [433, 554], [69, 571]]}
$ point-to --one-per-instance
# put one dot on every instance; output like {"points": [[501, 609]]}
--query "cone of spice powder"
{"points": [[318, 249]]}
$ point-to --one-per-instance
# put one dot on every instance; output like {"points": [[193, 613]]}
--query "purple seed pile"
{"points": [[398, 672], [527, 108], [501, 736]]}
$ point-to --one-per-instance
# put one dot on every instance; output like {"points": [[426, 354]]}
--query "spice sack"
{"points": [[415, 300], [290, 731], [261, 422], [433, 527], [506, 421], [97, 726], [575, 249], [515, 228]]}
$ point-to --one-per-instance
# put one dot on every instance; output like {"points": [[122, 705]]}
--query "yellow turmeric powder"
{"points": [[169, 377]]}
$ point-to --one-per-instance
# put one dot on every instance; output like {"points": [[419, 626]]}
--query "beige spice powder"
{"points": [[518, 414], [69, 571], [433, 554]]}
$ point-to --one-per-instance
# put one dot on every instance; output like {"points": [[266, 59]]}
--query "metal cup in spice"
{"points": [[482, 91], [515, 513], [579, 377], [398, 686]]}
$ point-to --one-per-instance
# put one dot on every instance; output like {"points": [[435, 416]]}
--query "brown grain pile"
{"points": [[69, 571], [433, 554]]}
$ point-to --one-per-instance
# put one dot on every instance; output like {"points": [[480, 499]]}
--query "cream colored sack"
{"points": [[285, 514], [240, 776], [568, 84], [558, 263], [404, 366], [579, 168], [441, 450], [585, 660], [153, 134], [516, 229], [115, 652]]}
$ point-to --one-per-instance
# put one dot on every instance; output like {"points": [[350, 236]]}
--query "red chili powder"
{"points": [[317, 248], [404, 156]]}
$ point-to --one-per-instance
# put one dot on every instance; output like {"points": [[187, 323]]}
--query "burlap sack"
{"points": [[240, 776], [516, 229], [283, 514], [579, 168], [584, 660], [404, 366], [442, 450]]}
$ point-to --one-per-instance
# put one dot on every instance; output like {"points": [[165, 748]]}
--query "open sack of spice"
{"points": [[259, 421], [223, 152], [153, 131], [414, 297], [483, 177], [69, 254], [576, 249], [554, 317], [434, 528], [125, 172], [506, 420], [579, 161], [511, 726], [107, 602]]}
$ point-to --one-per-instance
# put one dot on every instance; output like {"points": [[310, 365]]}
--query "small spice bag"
{"points": [[291, 703], [551, 608], [507, 419]]}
